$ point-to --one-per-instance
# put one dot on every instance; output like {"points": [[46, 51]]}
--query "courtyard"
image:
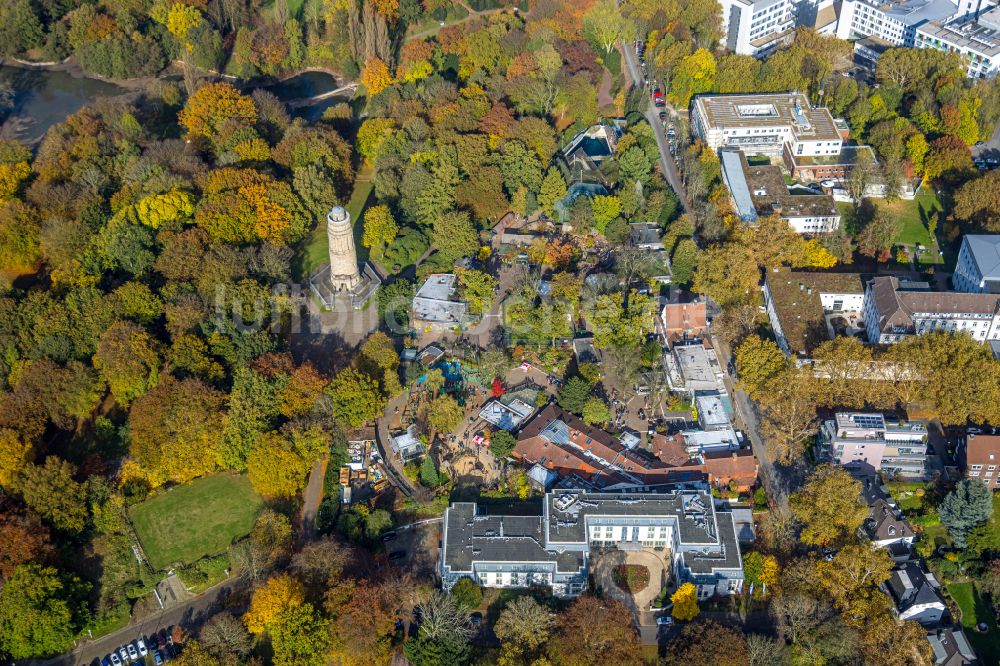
{"points": [[608, 566]]}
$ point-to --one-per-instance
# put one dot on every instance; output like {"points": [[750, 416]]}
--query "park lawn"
{"points": [[313, 252], [914, 215], [201, 518], [974, 611]]}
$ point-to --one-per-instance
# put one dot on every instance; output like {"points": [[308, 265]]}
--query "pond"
{"points": [[40, 98]]}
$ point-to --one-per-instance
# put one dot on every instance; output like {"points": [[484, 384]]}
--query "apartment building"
{"points": [[756, 27], [555, 547], [761, 124], [976, 38], [982, 459], [875, 442], [892, 22], [977, 270], [894, 310]]}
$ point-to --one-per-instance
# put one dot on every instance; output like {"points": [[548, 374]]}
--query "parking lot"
{"points": [[154, 649]]}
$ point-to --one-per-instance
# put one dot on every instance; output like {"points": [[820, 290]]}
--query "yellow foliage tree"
{"points": [[769, 572], [685, 601], [15, 453], [270, 600], [158, 209], [817, 256], [376, 76], [11, 177], [212, 106], [274, 469], [180, 19]]}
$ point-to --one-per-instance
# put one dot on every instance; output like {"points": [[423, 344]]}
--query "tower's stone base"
{"points": [[321, 285]]}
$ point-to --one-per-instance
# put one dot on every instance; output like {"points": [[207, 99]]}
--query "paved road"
{"points": [[669, 168], [188, 615], [746, 411], [383, 438]]}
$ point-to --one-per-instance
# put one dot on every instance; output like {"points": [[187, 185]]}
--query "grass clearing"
{"points": [[313, 252], [975, 610], [915, 215], [189, 522]]}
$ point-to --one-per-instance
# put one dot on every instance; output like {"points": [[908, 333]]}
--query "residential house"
{"points": [[950, 647], [715, 457], [588, 149], [693, 367], [915, 593], [885, 525], [712, 410], [645, 236], [798, 305], [555, 546], [982, 459], [435, 305], [875, 442], [683, 321], [894, 310], [977, 270]]}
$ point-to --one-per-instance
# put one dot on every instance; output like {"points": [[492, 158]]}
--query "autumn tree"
{"points": [[23, 539], [828, 506], [727, 274], [275, 469], [270, 600], [523, 628], [604, 24], [442, 414], [758, 361], [552, 190], [788, 413], [380, 228], [224, 634], [127, 360], [978, 201], [594, 631], [376, 76], [52, 492], [355, 398], [217, 110], [854, 574], [443, 637], [710, 643], [37, 613], [685, 601]]}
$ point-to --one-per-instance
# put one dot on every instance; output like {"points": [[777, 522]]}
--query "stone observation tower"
{"points": [[344, 273], [343, 278]]}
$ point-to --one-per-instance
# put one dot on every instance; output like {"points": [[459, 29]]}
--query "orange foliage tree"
{"points": [[215, 106]]}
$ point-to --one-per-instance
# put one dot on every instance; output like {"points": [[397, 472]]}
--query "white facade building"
{"points": [[756, 27], [893, 311], [977, 40], [977, 270], [763, 123], [893, 22]]}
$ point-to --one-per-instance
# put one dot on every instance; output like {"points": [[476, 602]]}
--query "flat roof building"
{"points": [[434, 305], [871, 442], [976, 38], [763, 123], [554, 547], [760, 191], [797, 304]]}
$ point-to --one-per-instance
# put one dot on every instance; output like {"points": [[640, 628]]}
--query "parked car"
{"points": [[388, 536], [115, 659], [142, 647], [157, 659], [123, 653], [133, 654], [663, 116], [397, 555], [105, 662], [664, 621], [671, 132], [170, 638], [476, 619], [161, 639]]}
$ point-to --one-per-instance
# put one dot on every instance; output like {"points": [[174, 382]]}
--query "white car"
{"points": [[664, 621], [132, 653], [123, 654], [115, 659], [142, 648]]}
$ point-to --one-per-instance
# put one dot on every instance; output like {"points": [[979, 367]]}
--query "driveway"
{"points": [[639, 603]]}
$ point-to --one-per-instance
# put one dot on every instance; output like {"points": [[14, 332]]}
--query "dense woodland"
{"points": [[146, 246]]}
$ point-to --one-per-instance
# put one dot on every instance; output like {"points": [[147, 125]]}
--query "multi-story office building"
{"points": [[894, 310], [976, 38], [977, 270], [892, 22], [555, 547], [756, 27], [761, 124], [871, 441]]}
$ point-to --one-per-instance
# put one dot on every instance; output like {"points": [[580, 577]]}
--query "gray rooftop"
{"points": [[432, 302], [916, 12], [732, 170], [985, 251]]}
